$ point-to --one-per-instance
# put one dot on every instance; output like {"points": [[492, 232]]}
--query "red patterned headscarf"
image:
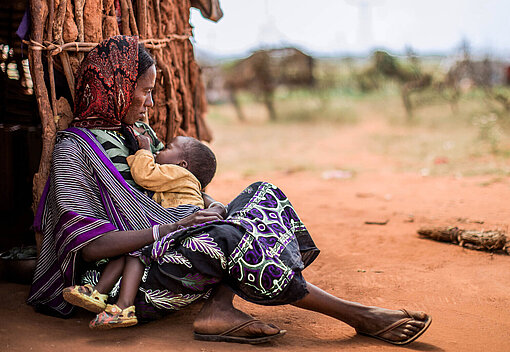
{"points": [[106, 83]]}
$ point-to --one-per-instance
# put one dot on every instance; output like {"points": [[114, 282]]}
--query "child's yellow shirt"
{"points": [[173, 185]]}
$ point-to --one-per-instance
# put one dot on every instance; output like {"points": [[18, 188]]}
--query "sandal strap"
{"points": [[393, 326], [114, 309], [239, 327], [90, 291], [129, 311], [86, 289], [99, 296], [403, 310]]}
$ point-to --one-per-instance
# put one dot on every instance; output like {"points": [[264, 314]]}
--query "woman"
{"points": [[89, 212]]}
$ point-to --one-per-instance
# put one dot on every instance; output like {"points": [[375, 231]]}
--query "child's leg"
{"points": [[122, 314], [94, 298], [110, 275], [131, 276]]}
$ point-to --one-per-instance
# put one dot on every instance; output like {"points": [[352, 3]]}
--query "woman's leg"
{"points": [[363, 318], [218, 315]]}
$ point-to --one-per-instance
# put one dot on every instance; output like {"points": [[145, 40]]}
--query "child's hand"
{"points": [[144, 141]]}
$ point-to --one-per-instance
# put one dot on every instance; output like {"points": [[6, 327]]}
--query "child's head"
{"points": [[191, 154]]}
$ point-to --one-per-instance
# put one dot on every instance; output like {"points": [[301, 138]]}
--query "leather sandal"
{"points": [[85, 297], [229, 335], [409, 317], [114, 317]]}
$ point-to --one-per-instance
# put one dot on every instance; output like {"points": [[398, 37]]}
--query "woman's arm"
{"points": [[117, 243]]}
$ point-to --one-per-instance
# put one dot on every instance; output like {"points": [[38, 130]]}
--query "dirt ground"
{"points": [[465, 291]]}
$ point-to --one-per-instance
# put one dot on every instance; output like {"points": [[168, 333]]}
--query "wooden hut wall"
{"points": [[63, 31]]}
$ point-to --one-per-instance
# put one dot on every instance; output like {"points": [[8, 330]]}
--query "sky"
{"points": [[331, 27]]}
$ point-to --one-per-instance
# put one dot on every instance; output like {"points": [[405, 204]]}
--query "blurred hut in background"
{"points": [[260, 74], [461, 73], [465, 72], [58, 33], [411, 77]]}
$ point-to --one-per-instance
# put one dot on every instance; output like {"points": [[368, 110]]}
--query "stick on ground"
{"points": [[492, 240]]}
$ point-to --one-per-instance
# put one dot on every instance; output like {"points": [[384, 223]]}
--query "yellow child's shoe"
{"points": [[85, 297], [114, 317]]}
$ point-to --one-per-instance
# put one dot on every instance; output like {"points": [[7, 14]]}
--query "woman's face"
{"points": [[142, 97]]}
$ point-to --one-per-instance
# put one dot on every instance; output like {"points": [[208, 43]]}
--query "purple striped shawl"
{"points": [[85, 197]]}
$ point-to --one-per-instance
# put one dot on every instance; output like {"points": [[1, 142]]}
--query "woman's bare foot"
{"points": [[219, 315]]}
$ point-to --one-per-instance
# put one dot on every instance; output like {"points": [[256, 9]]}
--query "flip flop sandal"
{"points": [[85, 297], [378, 334], [227, 336], [114, 317]]}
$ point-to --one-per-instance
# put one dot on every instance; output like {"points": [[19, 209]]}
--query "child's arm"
{"points": [[152, 176], [149, 174]]}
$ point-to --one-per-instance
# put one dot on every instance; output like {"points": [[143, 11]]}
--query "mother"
{"points": [[91, 210]]}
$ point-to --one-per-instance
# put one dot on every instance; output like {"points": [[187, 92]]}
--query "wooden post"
{"points": [[132, 20], [173, 116], [141, 9], [39, 13], [124, 9], [68, 71], [58, 25], [157, 9]]}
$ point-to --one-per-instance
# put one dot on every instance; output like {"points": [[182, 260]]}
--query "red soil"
{"points": [[466, 292]]}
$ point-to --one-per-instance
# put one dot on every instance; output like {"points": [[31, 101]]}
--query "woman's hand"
{"points": [[197, 218], [200, 217]]}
